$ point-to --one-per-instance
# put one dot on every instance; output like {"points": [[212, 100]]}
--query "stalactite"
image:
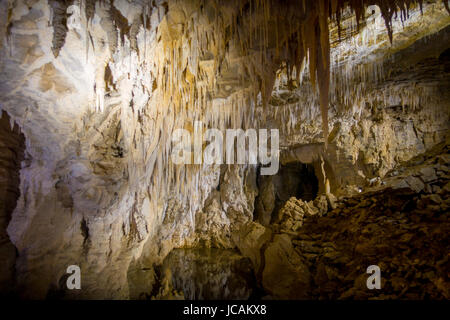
{"points": [[445, 4], [120, 21], [59, 23], [89, 8], [250, 25], [266, 36]]}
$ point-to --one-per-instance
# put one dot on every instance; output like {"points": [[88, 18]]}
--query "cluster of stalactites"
{"points": [[298, 30], [267, 33]]}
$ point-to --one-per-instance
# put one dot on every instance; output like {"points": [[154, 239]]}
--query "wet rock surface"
{"points": [[206, 274]]}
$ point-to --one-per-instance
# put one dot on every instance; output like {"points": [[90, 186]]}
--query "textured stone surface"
{"points": [[11, 154], [285, 275], [251, 240], [403, 231], [97, 89]]}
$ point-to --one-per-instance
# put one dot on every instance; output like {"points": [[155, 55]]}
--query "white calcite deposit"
{"points": [[97, 88]]}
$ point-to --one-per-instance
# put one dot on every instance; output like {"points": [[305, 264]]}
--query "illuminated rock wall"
{"points": [[97, 89]]}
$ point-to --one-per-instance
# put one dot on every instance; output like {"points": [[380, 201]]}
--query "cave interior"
{"points": [[355, 95]]}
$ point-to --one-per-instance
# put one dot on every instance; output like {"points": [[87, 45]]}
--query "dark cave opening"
{"points": [[294, 179]]}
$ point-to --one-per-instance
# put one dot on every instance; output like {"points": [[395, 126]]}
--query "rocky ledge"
{"points": [[322, 248]]}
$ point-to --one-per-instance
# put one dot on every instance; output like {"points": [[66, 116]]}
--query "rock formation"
{"points": [[402, 224], [92, 91]]}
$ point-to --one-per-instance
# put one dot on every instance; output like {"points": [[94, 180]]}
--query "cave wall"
{"points": [[97, 89], [400, 112], [12, 145], [100, 186]]}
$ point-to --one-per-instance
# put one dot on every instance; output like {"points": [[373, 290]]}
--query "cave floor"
{"points": [[402, 226]]}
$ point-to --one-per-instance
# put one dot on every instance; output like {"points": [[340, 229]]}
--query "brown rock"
{"points": [[250, 239], [427, 174], [285, 275]]}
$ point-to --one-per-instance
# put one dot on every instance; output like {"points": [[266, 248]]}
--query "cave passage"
{"points": [[295, 180]]}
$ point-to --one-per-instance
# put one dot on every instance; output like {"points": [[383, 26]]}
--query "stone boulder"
{"points": [[285, 275]]}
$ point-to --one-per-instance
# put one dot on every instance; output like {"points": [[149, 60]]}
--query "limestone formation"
{"points": [[91, 93]]}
